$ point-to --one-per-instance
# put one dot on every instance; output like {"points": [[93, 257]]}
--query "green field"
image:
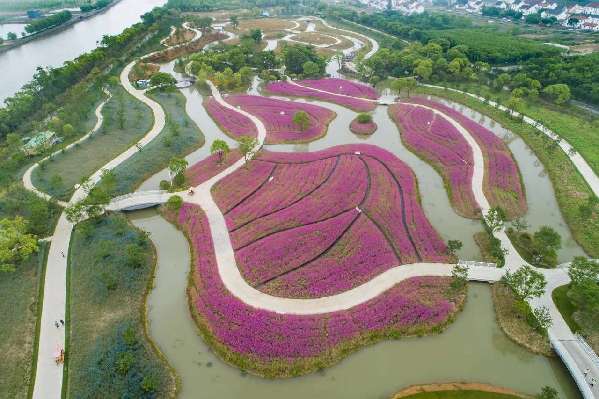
{"points": [[126, 120], [19, 308], [108, 350], [179, 137]]}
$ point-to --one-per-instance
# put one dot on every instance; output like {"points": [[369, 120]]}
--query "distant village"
{"points": [[580, 17]]}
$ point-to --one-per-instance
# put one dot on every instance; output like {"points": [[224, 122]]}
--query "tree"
{"points": [[547, 238], [526, 283], [424, 68], [135, 257], [459, 275], [294, 58], [560, 93], [547, 392], [234, 21], [403, 83], [221, 148], [301, 119], [176, 166], [453, 246], [256, 35], [542, 318], [515, 104], [364, 118], [520, 225], [204, 23], [11, 36], [67, 129], [310, 69], [16, 244], [583, 270], [174, 203], [495, 218], [247, 146], [163, 80]]}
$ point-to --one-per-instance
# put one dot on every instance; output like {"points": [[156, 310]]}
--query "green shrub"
{"points": [[174, 203], [364, 118]]}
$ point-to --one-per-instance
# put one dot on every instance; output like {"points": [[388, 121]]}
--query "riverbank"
{"points": [[47, 32], [458, 390]]}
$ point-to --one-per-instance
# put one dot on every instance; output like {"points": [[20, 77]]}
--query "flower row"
{"points": [[434, 139], [367, 128], [289, 89], [341, 86], [502, 183]]}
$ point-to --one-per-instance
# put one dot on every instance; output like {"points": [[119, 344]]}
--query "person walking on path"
{"points": [[62, 322], [62, 253], [586, 372], [56, 324]]}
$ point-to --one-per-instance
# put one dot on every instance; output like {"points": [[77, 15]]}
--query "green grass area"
{"points": [[571, 123], [179, 137], [565, 306], [41, 214], [460, 394], [111, 267], [495, 47], [126, 120], [20, 309], [570, 188]]}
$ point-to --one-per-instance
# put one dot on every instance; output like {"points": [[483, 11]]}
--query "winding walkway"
{"points": [[48, 383], [49, 375]]}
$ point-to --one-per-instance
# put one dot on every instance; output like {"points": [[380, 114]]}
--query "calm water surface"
{"points": [[18, 65], [473, 348]]}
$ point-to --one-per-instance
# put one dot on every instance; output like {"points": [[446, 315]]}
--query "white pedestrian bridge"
{"points": [[139, 200]]}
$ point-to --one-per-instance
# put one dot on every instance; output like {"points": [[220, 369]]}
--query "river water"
{"points": [[18, 65]]}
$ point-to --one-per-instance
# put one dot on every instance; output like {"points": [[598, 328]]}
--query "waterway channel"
{"points": [[19, 64], [472, 349]]}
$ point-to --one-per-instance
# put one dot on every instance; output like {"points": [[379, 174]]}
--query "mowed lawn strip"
{"points": [[111, 267], [19, 309], [571, 189], [126, 120], [179, 137]]}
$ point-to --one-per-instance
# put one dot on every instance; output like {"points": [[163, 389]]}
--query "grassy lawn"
{"points": [[570, 188], [460, 394], [179, 137], [111, 266], [567, 121], [41, 214], [126, 120], [565, 306], [19, 308], [514, 323]]}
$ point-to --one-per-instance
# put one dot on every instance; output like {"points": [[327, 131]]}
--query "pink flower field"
{"points": [[435, 140], [341, 86], [276, 345], [502, 183], [288, 89], [294, 218], [233, 123], [277, 116], [364, 129], [210, 167]]}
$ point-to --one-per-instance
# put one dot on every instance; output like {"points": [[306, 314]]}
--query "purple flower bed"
{"points": [[341, 86], [439, 143], [277, 116], [282, 344], [288, 89], [360, 255], [232, 123], [502, 183], [210, 167], [308, 191], [362, 128]]}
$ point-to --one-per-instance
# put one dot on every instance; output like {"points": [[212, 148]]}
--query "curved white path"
{"points": [[49, 375], [579, 162], [28, 183]]}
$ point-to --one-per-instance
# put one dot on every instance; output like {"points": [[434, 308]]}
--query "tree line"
{"points": [[49, 22]]}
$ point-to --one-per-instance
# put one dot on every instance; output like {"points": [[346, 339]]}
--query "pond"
{"points": [[472, 349]]}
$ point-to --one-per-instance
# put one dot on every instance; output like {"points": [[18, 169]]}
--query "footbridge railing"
{"points": [[138, 200]]}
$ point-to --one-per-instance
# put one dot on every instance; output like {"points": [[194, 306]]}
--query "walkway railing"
{"points": [[138, 194], [469, 263], [587, 348], [572, 367]]}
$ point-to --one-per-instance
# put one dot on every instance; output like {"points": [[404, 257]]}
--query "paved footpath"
{"points": [[48, 382]]}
